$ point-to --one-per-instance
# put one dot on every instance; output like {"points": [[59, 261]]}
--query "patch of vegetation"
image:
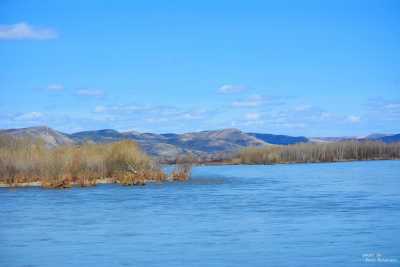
{"points": [[318, 152], [181, 172], [27, 161]]}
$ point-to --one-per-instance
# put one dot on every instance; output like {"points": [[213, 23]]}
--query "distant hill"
{"points": [[197, 143], [375, 136], [170, 145], [100, 136], [49, 136], [280, 139], [386, 138], [389, 138]]}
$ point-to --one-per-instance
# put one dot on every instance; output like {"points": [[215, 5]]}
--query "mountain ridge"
{"points": [[171, 145]]}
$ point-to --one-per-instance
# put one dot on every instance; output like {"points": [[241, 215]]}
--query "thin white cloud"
{"points": [[303, 108], [294, 125], [90, 92], [151, 114], [252, 101], [385, 106], [22, 30], [393, 106], [194, 114], [99, 109], [122, 109], [29, 116], [326, 115], [55, 87], [252, 116], [230, 88], [353, 119], [381, 109]]}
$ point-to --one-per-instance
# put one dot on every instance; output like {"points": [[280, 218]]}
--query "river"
{"points": [[328, 214]]}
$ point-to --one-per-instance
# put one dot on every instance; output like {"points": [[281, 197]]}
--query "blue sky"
{"points": [[313, 68]]}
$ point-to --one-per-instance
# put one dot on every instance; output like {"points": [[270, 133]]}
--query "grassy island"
{"points": [[30, 162]]}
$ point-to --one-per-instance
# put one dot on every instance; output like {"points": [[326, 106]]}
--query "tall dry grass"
{"points": [[318, 152], [24, 160], [181, 172]]}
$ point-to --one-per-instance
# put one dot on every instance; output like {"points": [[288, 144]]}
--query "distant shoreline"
{"points": [[286, 163]]}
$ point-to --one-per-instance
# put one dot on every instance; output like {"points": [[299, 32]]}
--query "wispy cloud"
{"points": [[252, 101], [252, 116], [353, 119], [123, 109], [22, 30], [384, 108], [258, 113], [29, 116], [231, 88], [55, 87], [303, 107], [90, 92], [392, 106], [100, 109], [152, 113]]}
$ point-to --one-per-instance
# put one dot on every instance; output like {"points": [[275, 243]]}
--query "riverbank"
{"points": [[78, 184]]}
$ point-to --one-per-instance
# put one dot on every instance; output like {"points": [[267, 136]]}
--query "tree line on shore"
{"points": [[24, 160], [318, 152]]}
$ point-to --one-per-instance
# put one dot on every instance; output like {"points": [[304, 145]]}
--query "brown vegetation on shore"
{"points": [[27, 161], [181, 172], [318, 152]]}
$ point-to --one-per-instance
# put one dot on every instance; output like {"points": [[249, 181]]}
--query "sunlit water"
{"points": [[334, 214]]}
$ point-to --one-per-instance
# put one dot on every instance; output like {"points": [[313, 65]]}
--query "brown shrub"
{"points": [[25, 160], [181, 172]]}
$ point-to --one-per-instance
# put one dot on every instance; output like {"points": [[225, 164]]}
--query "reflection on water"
{"points": [[336, 214]]}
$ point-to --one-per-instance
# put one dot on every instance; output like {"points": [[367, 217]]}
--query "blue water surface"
{"points": [[330, 214]]}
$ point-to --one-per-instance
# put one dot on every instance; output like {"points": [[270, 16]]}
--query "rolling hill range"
{"points": [[169, 145], [389, 138], [280, 139], [386, 138]]}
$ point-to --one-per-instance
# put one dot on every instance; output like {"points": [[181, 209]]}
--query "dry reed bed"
{"points": [[26, 161], [318, 152]]}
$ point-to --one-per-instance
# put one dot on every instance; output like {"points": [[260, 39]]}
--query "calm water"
{"points": [[282, 215]]}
